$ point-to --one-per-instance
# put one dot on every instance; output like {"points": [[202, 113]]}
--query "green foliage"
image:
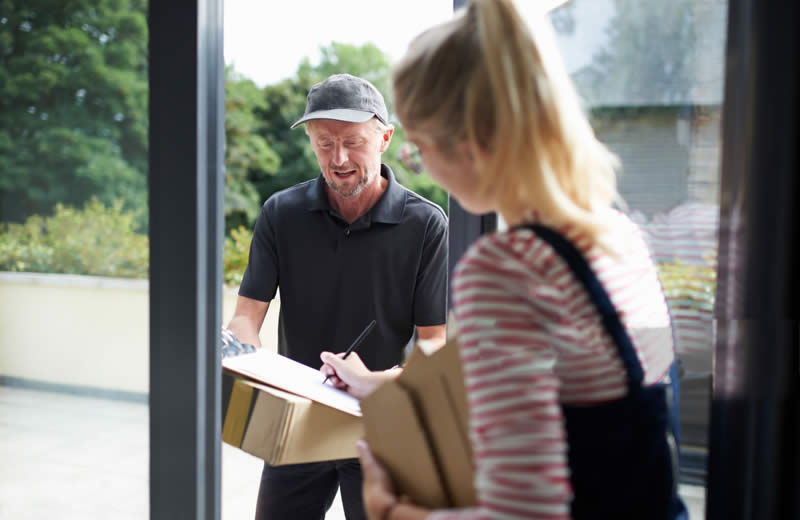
{"points": [[248, 156], [74, 130], [284, 104], [427, 187], [236, 254], [73, 113], [73, 104], [95, 240]]}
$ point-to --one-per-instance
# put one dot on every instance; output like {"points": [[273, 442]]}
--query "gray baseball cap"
{"points": [[344, 98]]}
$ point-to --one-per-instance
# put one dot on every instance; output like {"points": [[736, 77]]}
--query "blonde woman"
{"points": [[563, 325]]}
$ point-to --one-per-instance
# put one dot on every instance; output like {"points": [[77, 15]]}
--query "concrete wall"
{"points": [[84, 331]]}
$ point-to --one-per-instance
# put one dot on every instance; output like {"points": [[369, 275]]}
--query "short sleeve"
{"points": [[260, 281], [430, 294]]}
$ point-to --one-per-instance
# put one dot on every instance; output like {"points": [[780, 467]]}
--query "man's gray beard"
{"points": [[358, 188]]}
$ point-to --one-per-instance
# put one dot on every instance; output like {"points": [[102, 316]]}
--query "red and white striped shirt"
{"points": [[531, 339]]}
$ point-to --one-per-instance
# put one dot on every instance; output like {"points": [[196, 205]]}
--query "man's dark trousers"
{"points": [[306, 491]]}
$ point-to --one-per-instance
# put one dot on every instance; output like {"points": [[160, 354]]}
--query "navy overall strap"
{"points": [[583, 272]]}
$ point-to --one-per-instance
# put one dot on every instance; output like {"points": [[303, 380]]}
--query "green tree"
{"points": [[73, 104], [95, 240], [248, 156], [284, 103]]}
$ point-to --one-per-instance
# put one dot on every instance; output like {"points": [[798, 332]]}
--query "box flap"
{"points": [[436, 386], [398, 441], [445, 363]]}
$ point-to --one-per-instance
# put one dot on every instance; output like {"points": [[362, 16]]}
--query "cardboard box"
{"points": [[418, 427], [282, 427]]}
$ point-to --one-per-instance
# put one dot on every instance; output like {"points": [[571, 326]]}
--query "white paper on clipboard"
{"points": [[281, 372]]}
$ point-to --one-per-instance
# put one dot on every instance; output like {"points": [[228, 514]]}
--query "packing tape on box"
{"points": [[239, 410]]}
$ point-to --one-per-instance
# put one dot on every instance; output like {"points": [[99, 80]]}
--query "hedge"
{"points": [[95, 240]]}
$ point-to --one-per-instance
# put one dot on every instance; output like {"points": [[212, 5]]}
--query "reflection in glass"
{"points": [[651, 74]]}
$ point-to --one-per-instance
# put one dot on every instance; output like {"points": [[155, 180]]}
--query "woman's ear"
{"points": [[472, 153]]}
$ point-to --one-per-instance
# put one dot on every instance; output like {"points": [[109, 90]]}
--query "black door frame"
{"points": [[186, 124], [754, 434]]}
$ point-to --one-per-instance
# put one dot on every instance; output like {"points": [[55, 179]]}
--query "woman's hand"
{"points": [[350, 375], [377, 489]]}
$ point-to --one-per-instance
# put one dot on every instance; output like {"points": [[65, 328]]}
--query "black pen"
{"points": [[356, 343]]}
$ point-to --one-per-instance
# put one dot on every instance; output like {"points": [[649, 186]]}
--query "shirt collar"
{"points": [[389, 208]]}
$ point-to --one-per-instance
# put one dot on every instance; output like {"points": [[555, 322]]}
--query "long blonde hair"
{"points": [[487, 79]]}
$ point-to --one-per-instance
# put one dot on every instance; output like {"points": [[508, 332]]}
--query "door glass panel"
{"points": [[73, 260], [651, 75], [273, 57]]}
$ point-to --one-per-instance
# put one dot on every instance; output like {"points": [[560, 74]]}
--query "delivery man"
{"points": [[347, 247]]}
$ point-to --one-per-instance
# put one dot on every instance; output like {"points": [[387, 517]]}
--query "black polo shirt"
{"points": [[389, 265]]}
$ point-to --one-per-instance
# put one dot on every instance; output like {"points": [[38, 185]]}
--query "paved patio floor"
{"points": [[67, 457]]}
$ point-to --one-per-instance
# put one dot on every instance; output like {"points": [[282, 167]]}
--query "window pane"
{"points": [[651, 74], [73, 260]]}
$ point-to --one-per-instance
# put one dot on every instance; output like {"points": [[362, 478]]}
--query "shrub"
{"points": [[235, 254], [99, 241], [21, 247], [96, 240]]}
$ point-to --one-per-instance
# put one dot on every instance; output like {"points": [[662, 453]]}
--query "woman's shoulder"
{"points": [[521, 247], [511, 250]]}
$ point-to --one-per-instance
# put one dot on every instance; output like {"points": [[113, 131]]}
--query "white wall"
{"points": [[84, 330]]}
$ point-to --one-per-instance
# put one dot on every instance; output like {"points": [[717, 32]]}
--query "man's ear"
{"points": [[386, 139]]}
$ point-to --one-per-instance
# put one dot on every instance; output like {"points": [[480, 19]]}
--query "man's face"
{"points": [[349, 154]]}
